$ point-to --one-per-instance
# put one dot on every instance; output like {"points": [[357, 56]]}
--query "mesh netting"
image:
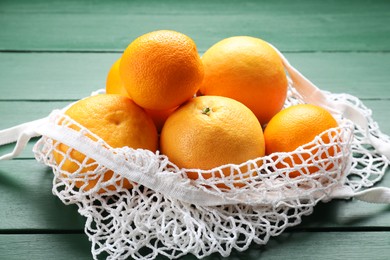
{"points": [[368, 165], [169, 214]]}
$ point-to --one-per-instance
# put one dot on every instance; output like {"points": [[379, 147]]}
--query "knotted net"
{"points": [[166, 213]]}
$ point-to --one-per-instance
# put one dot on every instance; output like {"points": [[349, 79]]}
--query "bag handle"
{"points": [[313, 95], [171, 185], [372, 195], [21, 134], [175, 188]]}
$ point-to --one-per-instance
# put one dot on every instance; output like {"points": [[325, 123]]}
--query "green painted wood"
{"points": [[364, 75], [45, 246], [55, 76], [71, 76], [325, 245], [18, 112], [303, 25], [25, 188], [47, 61], [27, 202], [294, 246]]}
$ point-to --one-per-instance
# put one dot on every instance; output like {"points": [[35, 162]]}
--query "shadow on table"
{"points": [[347, 215], [29, 200]]}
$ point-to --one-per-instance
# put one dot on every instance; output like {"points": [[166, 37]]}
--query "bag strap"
{"points": [[21, 134], [313, 95], [371, 195], [171, 185]]}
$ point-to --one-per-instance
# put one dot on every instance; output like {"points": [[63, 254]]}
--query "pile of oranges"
{"points": [[225, 107]]}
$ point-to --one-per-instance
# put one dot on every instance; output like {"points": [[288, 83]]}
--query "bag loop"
{"points": [[21, 134], [371, 195], [313, 95]]}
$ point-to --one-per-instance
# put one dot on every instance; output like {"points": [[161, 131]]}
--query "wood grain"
{"points": [[44, 246], [71, 76], [102, 26], [27, 202]]}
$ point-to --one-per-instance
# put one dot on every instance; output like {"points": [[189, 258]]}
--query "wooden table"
{"points": [[55, 52]]}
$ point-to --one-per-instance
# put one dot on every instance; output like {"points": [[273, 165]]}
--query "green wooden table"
{"points": [[55, 52]]}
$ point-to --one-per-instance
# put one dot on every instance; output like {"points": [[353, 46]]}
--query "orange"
{"points": [[160, 116], [249, 70], [115, 119], [296, 126], [114, 85], [211, 131], [161, 69]]}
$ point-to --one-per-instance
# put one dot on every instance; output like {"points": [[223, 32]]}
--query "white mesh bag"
{"points": [[166, 213]]}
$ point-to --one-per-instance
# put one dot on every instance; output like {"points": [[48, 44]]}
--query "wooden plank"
{"points": [[294, 246], [364, 75], [36, 225], [53, 76], [82, 26], [331, 245], [45, 246], [25, 188], [18, 112], [27, 202], [71, 76]]}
